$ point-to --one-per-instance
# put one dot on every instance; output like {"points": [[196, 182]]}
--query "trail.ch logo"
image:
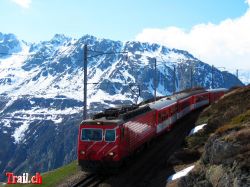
{"points": [[23, 179]]}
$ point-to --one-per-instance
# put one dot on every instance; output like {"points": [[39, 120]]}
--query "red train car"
{"points": [[110, 137], [201, 99], [106, 140], [165, 114], [215, 94], [138, 131]]}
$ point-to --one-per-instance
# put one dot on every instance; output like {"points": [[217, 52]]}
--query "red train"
{"points": [[115, 134]]}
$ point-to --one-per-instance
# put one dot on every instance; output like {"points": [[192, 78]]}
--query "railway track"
{"points": [[91, 180]]}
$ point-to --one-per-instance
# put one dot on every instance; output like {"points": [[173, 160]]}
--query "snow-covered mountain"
{"points": [[41, 90], [244, 76]]}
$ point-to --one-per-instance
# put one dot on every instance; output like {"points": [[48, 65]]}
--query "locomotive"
{"points": [[110, 137]]}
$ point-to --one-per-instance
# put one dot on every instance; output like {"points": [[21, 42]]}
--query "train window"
{"points": [[92, 135], [110, 135]]}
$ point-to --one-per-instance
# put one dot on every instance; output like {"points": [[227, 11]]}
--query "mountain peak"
{"points": [[60, 39], [7, 37], [9, 44]]}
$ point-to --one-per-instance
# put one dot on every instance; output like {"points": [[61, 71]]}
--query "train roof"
{"points": [[173, 99], [103, 121], [218, 90], [116, 116], [162, 103], [121, 114]]}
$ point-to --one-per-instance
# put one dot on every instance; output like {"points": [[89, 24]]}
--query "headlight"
{"points": [[111, 154], [82, 152]]}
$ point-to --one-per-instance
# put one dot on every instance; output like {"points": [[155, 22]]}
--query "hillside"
{"points": [[223, 144]]}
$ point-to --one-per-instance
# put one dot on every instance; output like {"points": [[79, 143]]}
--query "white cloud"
{"points": [[22, 3], [225, 44]]}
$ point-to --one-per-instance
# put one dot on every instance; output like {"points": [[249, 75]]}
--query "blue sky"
{"points": [[215, 31], [119, 20]]}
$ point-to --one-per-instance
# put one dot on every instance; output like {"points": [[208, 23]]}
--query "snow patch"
{"points": [[180, 174], [6, 123], [100, 96], [19, 132], [196, 129]]}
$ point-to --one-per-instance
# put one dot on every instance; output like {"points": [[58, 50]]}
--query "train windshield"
{"points": [[92, 135], [109, 135]]}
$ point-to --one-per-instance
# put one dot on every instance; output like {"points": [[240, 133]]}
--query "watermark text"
{"points": [[23, 179]]}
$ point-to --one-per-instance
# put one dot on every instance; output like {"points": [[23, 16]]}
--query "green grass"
{"points": [[54, 177]]}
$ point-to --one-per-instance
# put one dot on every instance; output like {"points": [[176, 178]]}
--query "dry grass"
{"points": [[241, 118], [235, 123], [228, 127], [243, 135]]}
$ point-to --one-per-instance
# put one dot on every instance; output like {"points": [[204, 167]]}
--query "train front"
{"points": [[98, 144]]}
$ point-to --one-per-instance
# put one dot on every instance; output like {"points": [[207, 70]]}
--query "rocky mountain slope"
{"points": [[223, 144], [41, 93]]}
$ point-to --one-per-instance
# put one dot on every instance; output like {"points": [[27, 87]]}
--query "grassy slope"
{"points": [[229, 119], [54, 177], [228, 112]]}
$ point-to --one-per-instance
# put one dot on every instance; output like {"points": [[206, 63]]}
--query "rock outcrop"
{"points": [[225, 159]]}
